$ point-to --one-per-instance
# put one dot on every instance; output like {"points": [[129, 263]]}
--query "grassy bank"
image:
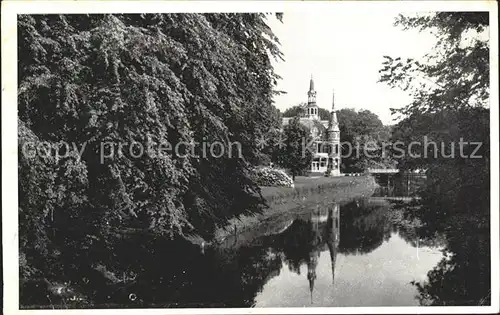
{"points": [[285, 204]]}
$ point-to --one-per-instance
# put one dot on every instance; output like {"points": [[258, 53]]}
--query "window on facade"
{"points": [[323, 163], [315, 166], [336, 149]]}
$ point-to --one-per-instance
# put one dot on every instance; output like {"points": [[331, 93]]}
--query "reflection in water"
{"points": [[362, 253], [326, 230], [302, 243], [338, 255], [398, 185], [353, 255]]}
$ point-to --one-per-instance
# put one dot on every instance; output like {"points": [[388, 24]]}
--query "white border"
{"points": [[9, 132]]}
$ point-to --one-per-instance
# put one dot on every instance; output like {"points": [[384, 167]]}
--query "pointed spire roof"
{"points": [[311, 289], [311, 270], [311, 84], [333, 100], [333, 124], [333, 258], [331, 242]]}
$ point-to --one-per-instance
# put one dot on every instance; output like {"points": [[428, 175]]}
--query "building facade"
{"points": [[325, 135]]}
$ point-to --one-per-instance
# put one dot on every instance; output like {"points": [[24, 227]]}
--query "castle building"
{"points": [[325, 135]]}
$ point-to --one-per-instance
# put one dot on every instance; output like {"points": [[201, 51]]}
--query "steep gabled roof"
{"points": [[309, 123]]}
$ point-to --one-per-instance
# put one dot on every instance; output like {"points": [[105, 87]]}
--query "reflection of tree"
{"points": [[229, 279], [409, 227], [463, 277], [366, 226], [363, 227], [176, 274], [450, 213], [455, 212], [297, 242], [232, 278], [455, 209]]}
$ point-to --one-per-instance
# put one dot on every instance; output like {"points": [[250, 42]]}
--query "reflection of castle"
{"points": [[325, 224]]}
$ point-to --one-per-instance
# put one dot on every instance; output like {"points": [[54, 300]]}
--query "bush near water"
{"points": [[267, 176]]}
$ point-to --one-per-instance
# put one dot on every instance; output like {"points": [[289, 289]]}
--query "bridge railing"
{"points": [[383, 170]]}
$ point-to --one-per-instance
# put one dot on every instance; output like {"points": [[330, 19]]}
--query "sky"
{"points": [[343, 50]]}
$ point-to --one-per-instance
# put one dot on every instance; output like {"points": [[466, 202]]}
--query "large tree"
{"points": [[362, 136], [294, 154], [105, 81], [450, 89]]}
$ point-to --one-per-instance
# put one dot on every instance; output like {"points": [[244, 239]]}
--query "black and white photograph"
{"points": [[250, 156]]}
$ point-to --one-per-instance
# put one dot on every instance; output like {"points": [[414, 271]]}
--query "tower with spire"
{"points": [[312, 108], [333, 139]]}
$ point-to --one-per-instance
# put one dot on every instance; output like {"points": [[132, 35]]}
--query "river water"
{"points": [[373, 266], [361, 252]]}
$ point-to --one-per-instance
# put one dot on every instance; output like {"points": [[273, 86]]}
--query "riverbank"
{"points": [[284, 204]]}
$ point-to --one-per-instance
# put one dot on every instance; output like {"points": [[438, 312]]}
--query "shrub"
{"points": [[267, 176]]}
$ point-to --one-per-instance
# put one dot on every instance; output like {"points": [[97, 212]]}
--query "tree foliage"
{"points": [[101, 81], [455, 74], [362, 131], [268, 142], [294, 155], [452, 109], [450, 89]]}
